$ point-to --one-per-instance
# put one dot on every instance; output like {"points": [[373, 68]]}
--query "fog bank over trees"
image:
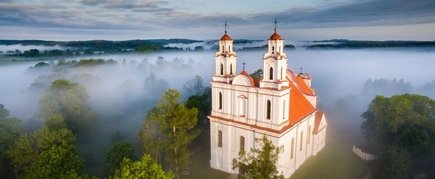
{"points": [[121, 89]]}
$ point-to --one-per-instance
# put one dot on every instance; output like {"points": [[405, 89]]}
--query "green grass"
{"points": [[335, 161]]}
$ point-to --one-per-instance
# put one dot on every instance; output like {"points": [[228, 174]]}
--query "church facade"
{"points": [[281, 105]]}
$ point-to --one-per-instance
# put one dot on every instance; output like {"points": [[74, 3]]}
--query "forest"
{"points": [[105, 118]]}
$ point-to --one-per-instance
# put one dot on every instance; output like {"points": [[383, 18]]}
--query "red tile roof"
{"points": [[304, 87], [317, 121], [300, 107]]}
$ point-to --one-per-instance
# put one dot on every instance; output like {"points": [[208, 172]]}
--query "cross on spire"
{"points": [[275, 24], [243, 65], [225, 26], [300, 69]]}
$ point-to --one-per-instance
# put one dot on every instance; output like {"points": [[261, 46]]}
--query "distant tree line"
{"points": [[345, 44], [93, 46]]}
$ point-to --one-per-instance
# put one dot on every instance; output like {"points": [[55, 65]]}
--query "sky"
{"points": [[65, 20]]}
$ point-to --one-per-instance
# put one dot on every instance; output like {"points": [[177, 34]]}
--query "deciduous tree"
{"points": [[260, 162], [145, 168], [70, 101], [170, 126]]}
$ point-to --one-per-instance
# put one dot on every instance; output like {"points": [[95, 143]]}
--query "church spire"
{"points": [[275, 35], [226, 37], [225, 26], [275, 25]]}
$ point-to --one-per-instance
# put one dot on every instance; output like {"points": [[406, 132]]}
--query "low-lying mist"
{"points": [[121, 93]]}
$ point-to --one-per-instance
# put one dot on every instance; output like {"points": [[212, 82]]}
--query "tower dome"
{"points": [[226, 37], [275, 36]]}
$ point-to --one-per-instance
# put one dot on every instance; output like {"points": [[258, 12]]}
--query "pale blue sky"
{"points": [[203, 19]]}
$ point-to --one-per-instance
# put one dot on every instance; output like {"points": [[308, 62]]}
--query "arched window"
{"points": [[242, 144], [220, 100], [229, 48], [223, 48], [271, 73], [222, 69], [231, 69], [302, 139], [309, 136], [273, 49], [268, 109]]}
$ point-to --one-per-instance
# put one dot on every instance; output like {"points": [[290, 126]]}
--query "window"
{"points": [[242, 144], [223, 48], [219, 138], [309, 134], [282, 74], [273, 49], [283, 109], [292, 148], [231, 69], [268, 109], [220, 100], [222, 69], [271, 73], [302, 138], [242, 107], [229, 48]]}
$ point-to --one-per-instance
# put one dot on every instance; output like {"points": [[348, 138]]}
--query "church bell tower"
{"points": [[225, 59], [275, 63]]}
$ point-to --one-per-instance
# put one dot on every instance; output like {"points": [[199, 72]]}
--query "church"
{"points": [[281, 105]]}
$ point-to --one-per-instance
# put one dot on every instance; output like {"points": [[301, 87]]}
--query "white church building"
{"points": [[281, 105]]}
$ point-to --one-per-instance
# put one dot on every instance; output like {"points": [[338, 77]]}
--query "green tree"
{"points": [[260, 162], [202, 102], [22, 154], [46, 153], [393, 163], [401, 127], [151, 138], [174, 124], [70, 101], [116, 154], [194, 86], [145, 168], [10, 130], [56, 162], [4, 113]]}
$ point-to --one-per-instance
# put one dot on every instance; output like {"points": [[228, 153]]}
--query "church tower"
{"points": [[225, 59], [275, 63]]}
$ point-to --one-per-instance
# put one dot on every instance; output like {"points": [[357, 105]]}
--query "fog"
{"points": [[6, 48], [122, 93]]}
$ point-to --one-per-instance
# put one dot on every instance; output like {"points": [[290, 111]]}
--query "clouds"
{"points": [[185, 15], [372, 13]]}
